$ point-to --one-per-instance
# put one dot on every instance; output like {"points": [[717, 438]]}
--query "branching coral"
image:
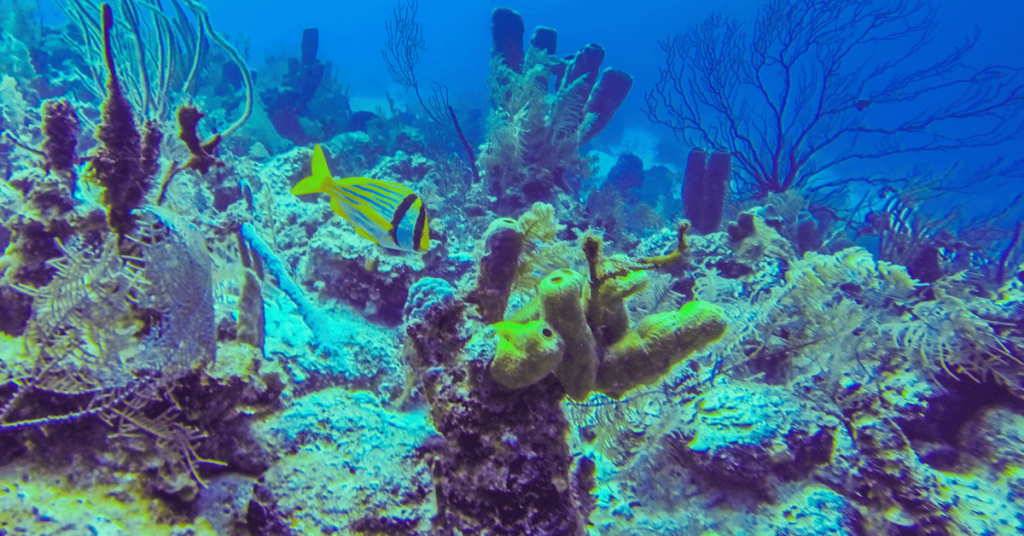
{"points": [[828, 303], [118, 317], [111, 334], [836, 311], [108, 324], [792, 72]]}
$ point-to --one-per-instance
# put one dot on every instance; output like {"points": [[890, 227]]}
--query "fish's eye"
{"points": [[547, 332]]}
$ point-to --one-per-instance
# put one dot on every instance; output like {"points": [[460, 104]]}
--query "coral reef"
{"points": [[341, 463], [746, 435], [494, 391], [212, 355]]}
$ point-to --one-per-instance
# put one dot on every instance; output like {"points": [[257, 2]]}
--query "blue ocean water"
{"points": [[743, 268]]}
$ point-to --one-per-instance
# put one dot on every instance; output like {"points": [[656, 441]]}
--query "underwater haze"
{"points": [[539, 268]]}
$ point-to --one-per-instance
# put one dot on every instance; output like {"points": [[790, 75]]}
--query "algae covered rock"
{"points": [[502, 465], [746, 434]]}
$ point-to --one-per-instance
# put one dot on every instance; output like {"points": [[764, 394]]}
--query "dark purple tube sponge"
{"points": [[605, 99], [704, 188], [693, 180], [716, 187], [310, 44], [545, 38], [61, 128], [286, 103], [121, 162], [507, 37], [585, 63]]}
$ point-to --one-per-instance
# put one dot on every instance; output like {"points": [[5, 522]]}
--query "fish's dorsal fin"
{"points": [[319, 181]]}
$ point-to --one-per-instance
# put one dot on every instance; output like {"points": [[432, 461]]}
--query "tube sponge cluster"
{"points": [[705, 186], [552, 335]]}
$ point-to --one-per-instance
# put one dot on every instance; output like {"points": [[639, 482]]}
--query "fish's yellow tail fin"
{"points": [[319, 180]]}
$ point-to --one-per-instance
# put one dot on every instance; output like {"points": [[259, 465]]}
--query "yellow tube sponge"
{"points": [[658, 343], [562, 294], [608, 310], [525, 353]]}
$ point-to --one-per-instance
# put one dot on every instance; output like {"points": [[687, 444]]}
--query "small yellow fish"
{"points": [[383, 212]]}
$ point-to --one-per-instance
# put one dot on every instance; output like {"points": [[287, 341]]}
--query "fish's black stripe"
{"points": [[399, 215], [421, 223]]}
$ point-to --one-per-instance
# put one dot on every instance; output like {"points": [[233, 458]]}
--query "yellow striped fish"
{"points": [[383, 212]]}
